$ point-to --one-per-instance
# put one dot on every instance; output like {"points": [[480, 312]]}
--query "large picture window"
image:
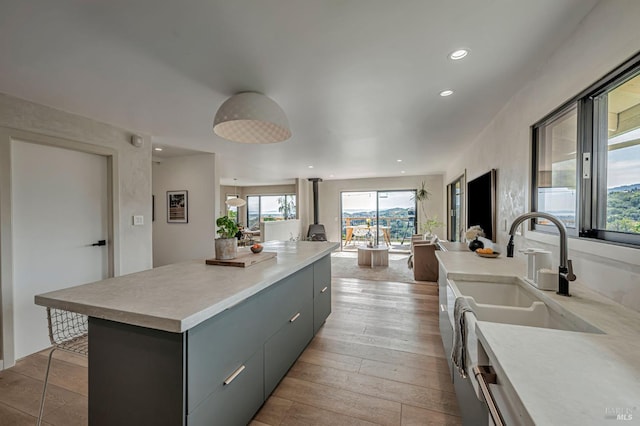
{"points": [[261, 208], [587, 160]]}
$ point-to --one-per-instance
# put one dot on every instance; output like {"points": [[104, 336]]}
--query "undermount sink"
{"points": [[516, 302]]}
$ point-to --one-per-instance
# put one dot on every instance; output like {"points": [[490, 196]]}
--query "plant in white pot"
{"points": [[227, 243]]}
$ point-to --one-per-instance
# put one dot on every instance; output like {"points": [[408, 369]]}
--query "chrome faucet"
{"points": [[566, 267]]}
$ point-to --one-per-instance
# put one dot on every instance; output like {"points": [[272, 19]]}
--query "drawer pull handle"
{"points": [[295, 317], [235, 374], [324, 289]]}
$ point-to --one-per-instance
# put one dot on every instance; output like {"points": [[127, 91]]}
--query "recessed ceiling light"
{"points": [[399, 161], [402, 171], [458, 54], [330, 175], [446, 93], [157, 149], [311, 167]]}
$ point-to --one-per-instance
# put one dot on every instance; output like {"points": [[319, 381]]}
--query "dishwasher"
{"points": [[503, 405]]}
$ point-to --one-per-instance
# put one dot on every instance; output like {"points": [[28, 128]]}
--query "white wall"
{"points": [[176, 242], [329, 198], [608, 36]]}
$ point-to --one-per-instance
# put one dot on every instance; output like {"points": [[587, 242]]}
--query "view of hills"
{"points": [[399, 220], [632, 187], [623, 208]]}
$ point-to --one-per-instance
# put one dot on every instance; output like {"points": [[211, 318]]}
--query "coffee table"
{"points": [[373, 256]]}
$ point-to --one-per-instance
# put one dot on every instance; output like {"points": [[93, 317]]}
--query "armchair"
{"points": [[425, 264]]}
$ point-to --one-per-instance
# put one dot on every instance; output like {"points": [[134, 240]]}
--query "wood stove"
{"points": [[316, 231]]}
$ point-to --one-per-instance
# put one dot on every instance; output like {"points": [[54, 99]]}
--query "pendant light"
{"points": [[251, 117], [235, 202]]}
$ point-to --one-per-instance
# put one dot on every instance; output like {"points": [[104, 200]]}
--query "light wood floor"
{"points": [[377, 360]]}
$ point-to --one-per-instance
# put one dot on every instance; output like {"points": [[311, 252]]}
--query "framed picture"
{"points": [[177, 207]]}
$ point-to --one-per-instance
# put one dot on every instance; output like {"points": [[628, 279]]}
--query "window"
{"points": [[388, 216], [556, 142], [587, 160], [261, 208], [619, 154]]}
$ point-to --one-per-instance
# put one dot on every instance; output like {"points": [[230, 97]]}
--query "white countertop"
{"points": [[561, 377], [178, 297], [564, 377]]}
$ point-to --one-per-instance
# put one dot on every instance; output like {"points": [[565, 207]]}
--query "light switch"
{"points": [[138, 220]]}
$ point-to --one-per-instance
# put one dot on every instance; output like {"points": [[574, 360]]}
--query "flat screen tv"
{"points": [[481, 203]]}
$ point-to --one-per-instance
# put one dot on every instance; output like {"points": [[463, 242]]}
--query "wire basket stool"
{"points": [[68, 332]]}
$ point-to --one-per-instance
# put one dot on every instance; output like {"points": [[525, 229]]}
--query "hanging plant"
{"points": [[422, 194]]}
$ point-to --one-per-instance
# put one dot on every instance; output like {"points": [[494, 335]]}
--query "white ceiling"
{"points": [[358, 79]]}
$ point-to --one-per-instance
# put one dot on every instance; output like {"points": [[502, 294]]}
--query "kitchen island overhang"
{"points": [[198, 344]]}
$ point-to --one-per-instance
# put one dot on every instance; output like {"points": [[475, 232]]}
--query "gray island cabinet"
{"points": [[193, 344]]}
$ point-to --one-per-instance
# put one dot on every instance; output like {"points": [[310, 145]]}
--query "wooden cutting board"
{"points": [[244, 259]]}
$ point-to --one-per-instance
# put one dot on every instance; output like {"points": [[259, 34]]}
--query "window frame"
{"points": [[535, 136], [591, 111], [259, 197]]}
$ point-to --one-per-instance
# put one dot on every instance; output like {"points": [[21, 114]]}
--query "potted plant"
{"points": [[227, 244], [429, 225]]}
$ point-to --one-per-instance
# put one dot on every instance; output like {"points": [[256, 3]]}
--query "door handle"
{"points": [[100, 243]]}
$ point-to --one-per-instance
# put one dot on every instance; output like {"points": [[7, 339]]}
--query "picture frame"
{"points": [[177, 207]]}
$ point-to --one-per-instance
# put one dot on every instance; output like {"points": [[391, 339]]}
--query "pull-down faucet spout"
{"points": [[566, 267]]}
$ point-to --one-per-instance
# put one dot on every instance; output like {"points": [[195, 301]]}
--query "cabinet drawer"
{"points": [[285, 299], [217, 346], [284, 347], [236, 402]]}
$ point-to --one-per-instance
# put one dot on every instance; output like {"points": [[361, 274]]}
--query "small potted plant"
{"points": [[227, 244]]}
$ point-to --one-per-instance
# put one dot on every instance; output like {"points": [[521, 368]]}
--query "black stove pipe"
{"points": [[315, 198]]}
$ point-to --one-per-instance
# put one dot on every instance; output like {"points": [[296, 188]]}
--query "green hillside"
{"points": [[623, 211]]}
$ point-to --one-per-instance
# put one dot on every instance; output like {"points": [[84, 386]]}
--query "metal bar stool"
{"points": [[67, 332]]}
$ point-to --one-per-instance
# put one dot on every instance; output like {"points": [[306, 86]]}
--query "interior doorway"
{"points": [[60, 214], [455, 201]]}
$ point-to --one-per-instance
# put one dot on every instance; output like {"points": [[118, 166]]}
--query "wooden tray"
{"points": [[244, 259]]}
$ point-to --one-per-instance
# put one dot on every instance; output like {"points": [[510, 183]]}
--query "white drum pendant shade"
{"points": [[235, 202], [251, 117]]}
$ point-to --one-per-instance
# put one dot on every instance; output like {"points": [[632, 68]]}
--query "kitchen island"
{"points": [[196, 344]]}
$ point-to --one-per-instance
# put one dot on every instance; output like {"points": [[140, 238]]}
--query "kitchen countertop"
{"points": [[178, 297], [453, 246], [561, 377]]}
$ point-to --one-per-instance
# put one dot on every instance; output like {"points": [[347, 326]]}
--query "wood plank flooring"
{"points": [[377, 360]]}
